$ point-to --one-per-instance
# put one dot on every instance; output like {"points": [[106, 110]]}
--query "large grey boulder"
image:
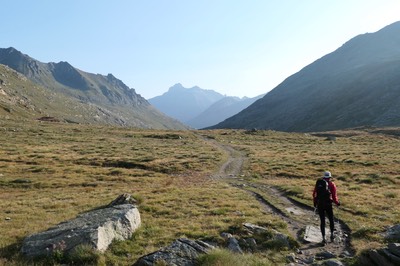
{"points": [[96, 228], [182, 252]]}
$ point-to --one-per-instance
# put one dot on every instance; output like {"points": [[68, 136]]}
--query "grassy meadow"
{"points": [[365, 165], [50, 172]]}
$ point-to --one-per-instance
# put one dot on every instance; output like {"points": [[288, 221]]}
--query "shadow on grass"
{"points": [[12, 253]]}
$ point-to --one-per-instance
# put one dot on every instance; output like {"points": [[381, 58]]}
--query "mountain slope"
{"points": [[185, 103], [356, 85], [116, 103], [221, 110]]}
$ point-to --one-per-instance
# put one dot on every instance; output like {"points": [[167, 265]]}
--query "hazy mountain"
{"points": [[185, 103], [112, 101], [356, 85], [221, 110]]}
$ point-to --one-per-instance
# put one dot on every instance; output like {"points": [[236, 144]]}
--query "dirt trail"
{"points": [[295, 214]]}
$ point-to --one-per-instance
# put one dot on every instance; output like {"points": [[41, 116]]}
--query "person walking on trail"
{"points": [[323, 195]]}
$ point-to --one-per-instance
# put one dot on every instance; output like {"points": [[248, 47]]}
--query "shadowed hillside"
{"points": [[220, 110], [356, 85]]}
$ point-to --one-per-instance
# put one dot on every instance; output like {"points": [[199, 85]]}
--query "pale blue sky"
{"points": [[235, 47]]}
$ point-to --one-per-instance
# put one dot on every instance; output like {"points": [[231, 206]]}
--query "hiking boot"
{"points": [[323, 241], [332, 237]]}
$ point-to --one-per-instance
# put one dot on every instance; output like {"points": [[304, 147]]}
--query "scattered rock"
{"points": [[255, 228], [392, 257], [333, 262], [252, 243], [21, 181], [282, 238], [308, 260], [325, 255], [384, 256], [181, 252], [233, 245], [394, 248], [96, 228], [291, 257], [377, 258], [277, 236], [345, 254], [8, 218], [331, 138], [226, 236], [48, 119], [393, 233], [123, 199]]}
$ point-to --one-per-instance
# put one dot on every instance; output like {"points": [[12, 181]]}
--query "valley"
{"points": [[195, 184]]}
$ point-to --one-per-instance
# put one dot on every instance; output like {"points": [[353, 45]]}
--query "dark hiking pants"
{"points": [[326, 210]]}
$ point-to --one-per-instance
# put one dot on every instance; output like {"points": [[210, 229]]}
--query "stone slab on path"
{"points": [[312, 234]]}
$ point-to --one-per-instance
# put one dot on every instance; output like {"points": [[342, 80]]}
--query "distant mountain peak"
{"points": [[11, 50]]}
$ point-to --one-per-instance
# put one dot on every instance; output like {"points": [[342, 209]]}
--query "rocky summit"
{"points": [[72, 95]]}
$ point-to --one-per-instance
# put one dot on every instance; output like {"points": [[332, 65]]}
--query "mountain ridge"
{"points": [[197, 107], [106, 92], [185, 103], [355, 85]]}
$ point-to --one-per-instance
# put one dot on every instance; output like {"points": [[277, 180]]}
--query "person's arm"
{"points": [[314, 195], [333, 190]]}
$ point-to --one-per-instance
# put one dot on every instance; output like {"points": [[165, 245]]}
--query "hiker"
{"points": [[323, 195]]}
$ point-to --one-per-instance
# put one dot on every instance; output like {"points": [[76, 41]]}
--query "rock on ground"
{"points": [[385, 256], [182, 252], [393, 233], [97, 228]]}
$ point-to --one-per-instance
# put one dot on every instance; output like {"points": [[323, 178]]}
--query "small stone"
{"points": [[333, 262], [8, 218], [226, 235], [291, 257], [393, 233], [345, 254], [326, 255], [299, 251], [394, 248], [233, 245]]}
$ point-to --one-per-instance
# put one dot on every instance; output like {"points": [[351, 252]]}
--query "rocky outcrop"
{"points": [[185, 252], [96, 228], [181, 252], [388, 256], [278, 238]]}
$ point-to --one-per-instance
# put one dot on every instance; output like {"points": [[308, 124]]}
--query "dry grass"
{"points": [[365, 167], [50, 172]]}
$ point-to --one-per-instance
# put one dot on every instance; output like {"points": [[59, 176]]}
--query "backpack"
{"points": [[323, 192]]}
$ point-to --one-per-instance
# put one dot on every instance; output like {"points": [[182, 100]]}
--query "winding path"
{"points": [[296, 215]]}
